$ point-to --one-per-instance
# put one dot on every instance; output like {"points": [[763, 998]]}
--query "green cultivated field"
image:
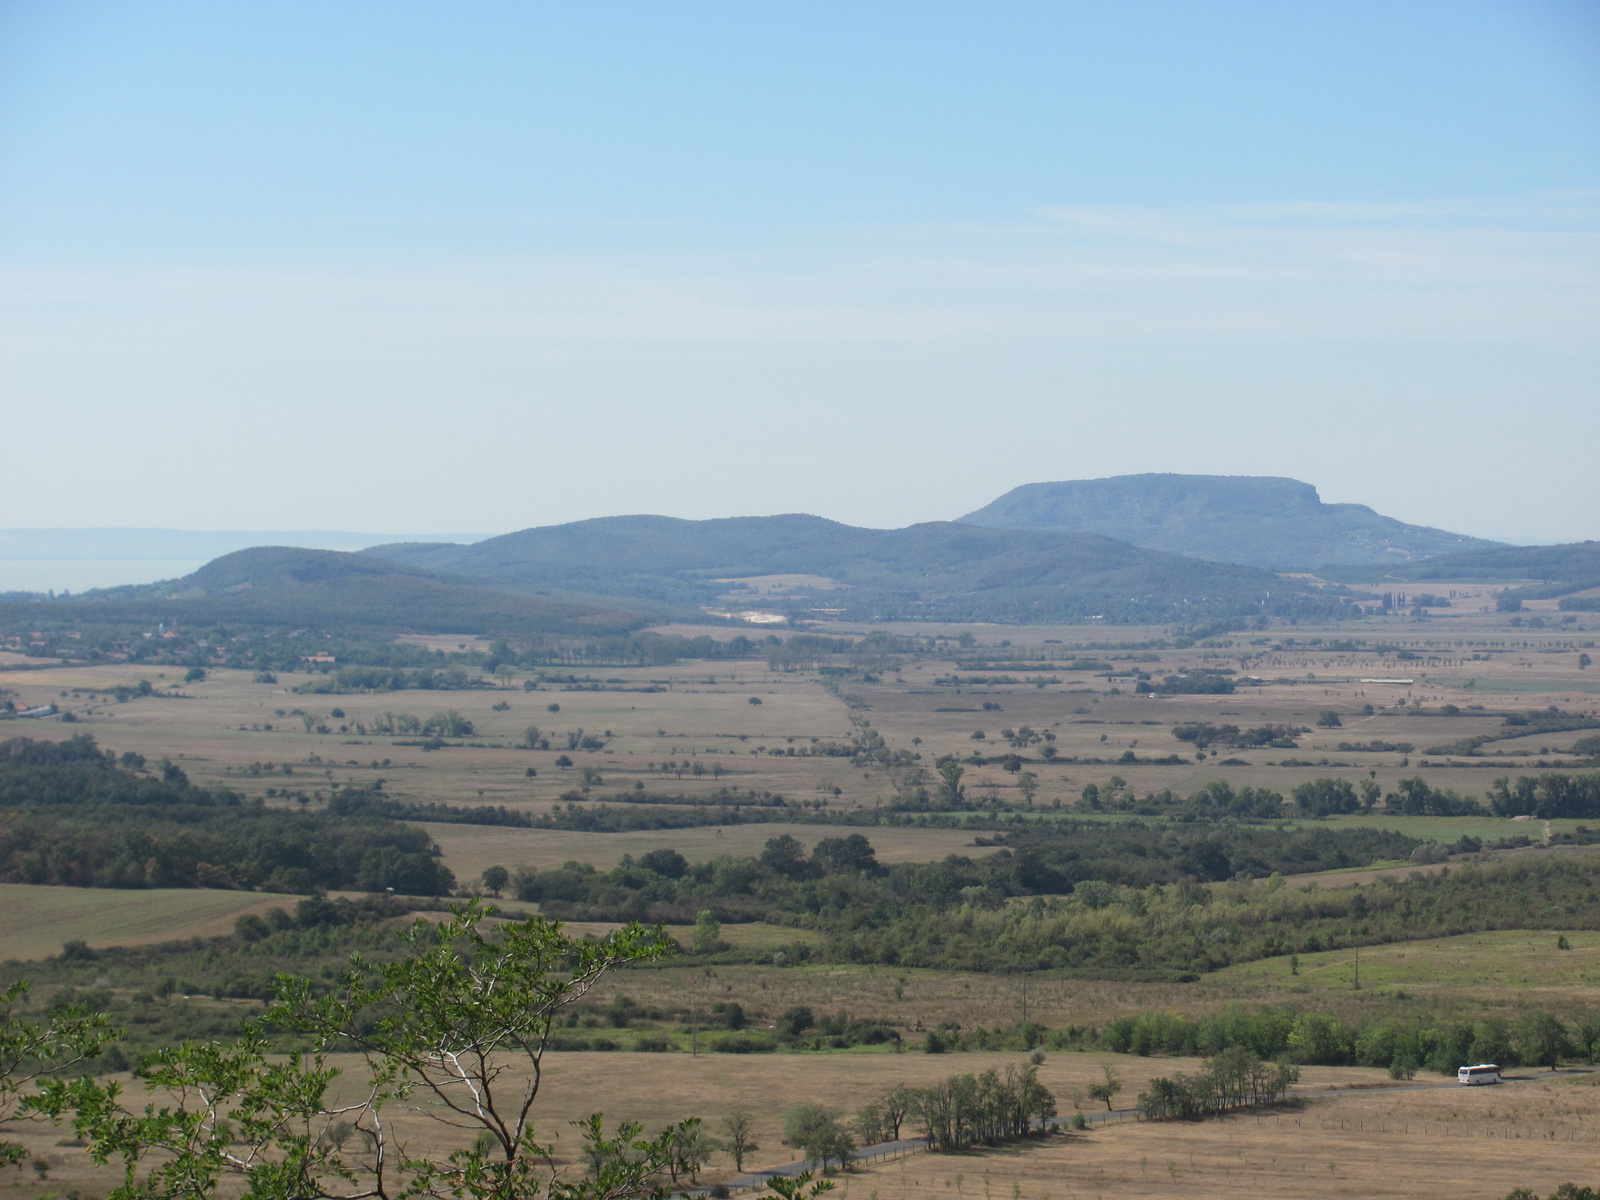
{"points": [[1448, 829], [1516, 964], [36, 921]]}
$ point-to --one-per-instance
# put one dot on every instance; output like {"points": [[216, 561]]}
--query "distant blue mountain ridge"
{"points": [[1184, 549], [1257, 520]]}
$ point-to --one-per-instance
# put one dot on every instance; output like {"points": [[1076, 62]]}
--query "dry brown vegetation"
{"points": [[470, 848], [1478, 1142], [1378, 1143], [656, 1089], [705, 715]]}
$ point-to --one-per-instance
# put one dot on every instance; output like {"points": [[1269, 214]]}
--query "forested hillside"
{"points": [[939, 569], [71, 815], [334, 589]]}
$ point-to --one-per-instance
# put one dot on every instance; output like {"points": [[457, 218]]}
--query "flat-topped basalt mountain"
{"points": [[1259, 520]]}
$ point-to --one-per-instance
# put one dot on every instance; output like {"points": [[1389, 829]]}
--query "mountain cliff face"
{"points": [[1261, 521]]}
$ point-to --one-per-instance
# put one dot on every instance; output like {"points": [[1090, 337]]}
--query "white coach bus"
{"points": [[1482, 1073]]}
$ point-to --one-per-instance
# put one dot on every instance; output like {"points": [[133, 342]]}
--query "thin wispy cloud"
{"points": [[1307, 272]]}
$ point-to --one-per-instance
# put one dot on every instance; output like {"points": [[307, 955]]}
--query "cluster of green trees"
{"points": [[664, 885], [799, 1028], [1216, 800], [636, 811], [1191, 683], [1203, 734], [1547, 796], [1319, 1039], [446, 724], [637, 650], [1326, 797], [1189, 927], [1235, 1078], [69, 814], [955, 1114], [1414, 796], [394, 679], [963, 1110], [841, 887]]}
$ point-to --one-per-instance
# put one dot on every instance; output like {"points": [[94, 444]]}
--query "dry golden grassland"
{"points": [[705, 717], [1404, 1144], [1390, 1143], [468, 849], [656, 1089], [713, 724]]}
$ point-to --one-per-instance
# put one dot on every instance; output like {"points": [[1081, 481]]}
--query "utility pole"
{"points": [[1358, 969]]}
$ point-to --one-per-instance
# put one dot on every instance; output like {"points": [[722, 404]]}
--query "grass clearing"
{"points": [[1448, 829], [1507, 961], [1383, 1143], [910, 1000], [468, 849], [656, 1089], [37, 920]]}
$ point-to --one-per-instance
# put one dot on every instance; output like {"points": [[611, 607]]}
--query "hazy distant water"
{"points": [[81, 574], [76, 560]]}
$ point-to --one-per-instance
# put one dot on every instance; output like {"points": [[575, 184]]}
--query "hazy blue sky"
{"points": [[474, 265]]}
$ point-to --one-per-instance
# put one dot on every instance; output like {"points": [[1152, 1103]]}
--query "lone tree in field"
{"points": [[951, 793], [740, 1126], [1028, 784], [1587, 1039], [897, 1106], [1542, 1040], [1108, 1088], [496, 878], [707, 933]]}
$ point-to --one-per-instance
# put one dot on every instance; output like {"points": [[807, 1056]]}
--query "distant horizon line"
{"points": [[9, 553]]}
